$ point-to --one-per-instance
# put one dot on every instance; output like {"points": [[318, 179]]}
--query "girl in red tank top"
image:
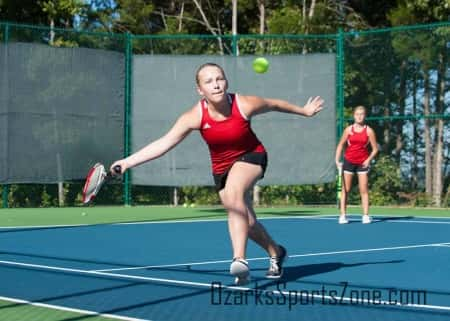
{"points": [[357, 138], [230, 138], [238, 158], [357, 143]]}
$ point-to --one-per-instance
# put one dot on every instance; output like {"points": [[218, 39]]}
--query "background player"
{"points": [[357, 160]]}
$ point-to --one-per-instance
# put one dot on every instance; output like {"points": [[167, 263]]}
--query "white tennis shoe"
{"points": [[239, 269], [343, 219]]}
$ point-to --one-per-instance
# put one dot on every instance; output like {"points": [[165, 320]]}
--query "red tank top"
{"points": [[356, 151], [228, 139]]}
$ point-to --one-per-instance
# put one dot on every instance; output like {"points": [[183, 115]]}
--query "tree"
{"points": [[431, 53], [314, 17], [60, 13], [374, 13]]}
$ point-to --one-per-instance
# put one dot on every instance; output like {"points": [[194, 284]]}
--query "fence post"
{"points": [[5, 190], [234, 45], [339, 100], [127, 115]]}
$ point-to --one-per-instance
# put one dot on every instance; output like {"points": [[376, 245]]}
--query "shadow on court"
{"points": [[380, 219], [66, 259], [292, 213], [263, 211], [293, 273]]}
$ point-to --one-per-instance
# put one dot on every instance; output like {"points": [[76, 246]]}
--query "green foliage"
{"points": [[419, 11], [134, 16], [61, 8], [151, 195], [60, 42], [287, 20], [384, 181], [298, 194], [32, 195], [199, 195], [422, 199]]}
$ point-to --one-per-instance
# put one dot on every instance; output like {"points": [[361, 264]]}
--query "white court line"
{"points": [[312, 217], [265, 258], [309, 217], [443, 244], [211, 286], [61, 308], [41, 226], [417, 222], [395, 220], [225, 219], [202, 220]]}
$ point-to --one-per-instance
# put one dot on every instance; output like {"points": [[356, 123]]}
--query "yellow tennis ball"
{"points": [[193, 205], [260, 65]]}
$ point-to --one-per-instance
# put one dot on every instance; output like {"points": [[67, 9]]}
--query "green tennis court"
{"points": [[119, 214]]}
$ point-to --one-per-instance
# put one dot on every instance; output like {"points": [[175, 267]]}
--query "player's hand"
{"points": [[366, 163], [123, 166], [338, 164], [313, 106]]}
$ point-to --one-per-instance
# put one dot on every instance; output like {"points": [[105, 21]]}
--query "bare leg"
{"points": [[241, 177], [257, 232], [260, 236], [347, 186], [363, 183]]}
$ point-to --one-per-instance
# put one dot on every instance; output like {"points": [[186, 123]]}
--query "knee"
{"points": [[364, 193], [232, 200]]}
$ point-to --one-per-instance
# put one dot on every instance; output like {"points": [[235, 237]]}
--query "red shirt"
{"points": [[228, 139], [356, 151]]}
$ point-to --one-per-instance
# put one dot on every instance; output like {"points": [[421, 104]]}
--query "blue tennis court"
{"points": [[393, 269]]}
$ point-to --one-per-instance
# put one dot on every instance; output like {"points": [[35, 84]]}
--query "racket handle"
{"points": [[117, 169]]}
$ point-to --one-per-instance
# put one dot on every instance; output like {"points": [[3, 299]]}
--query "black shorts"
{"points": [[351, 168], [252, 158]]}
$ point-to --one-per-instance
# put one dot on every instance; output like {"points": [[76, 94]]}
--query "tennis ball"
{"points": [[185, 205], [193, 205], [260, 65], [83, 214]]}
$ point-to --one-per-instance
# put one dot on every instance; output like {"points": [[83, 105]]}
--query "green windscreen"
{"points": [[301, 150], [61, 110]]}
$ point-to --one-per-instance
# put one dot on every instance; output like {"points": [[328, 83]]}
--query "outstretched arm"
{"points": [[253, 105], [182, 127]]}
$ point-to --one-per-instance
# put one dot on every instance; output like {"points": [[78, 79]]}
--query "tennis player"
{"points": [[357, 138], [238, 158]]}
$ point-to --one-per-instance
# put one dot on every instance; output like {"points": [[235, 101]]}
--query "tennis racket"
{"points": [[339, 186], [95, 178]]}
